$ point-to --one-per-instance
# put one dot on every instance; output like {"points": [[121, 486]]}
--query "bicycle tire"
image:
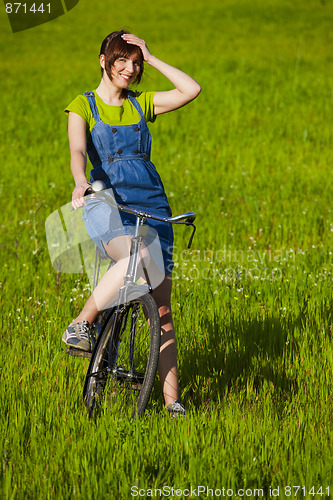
{"points": [[124, 362]]}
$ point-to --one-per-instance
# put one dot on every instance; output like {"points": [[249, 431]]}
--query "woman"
{"points": [[110, 124]]}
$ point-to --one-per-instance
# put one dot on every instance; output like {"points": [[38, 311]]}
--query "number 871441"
{"points": [[20, 8]]}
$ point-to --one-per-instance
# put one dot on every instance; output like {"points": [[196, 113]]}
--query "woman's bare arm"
{"points": [[186, 89], [78, 148]]}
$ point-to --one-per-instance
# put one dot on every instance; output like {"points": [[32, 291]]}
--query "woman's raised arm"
{"points": [[186, 89]]}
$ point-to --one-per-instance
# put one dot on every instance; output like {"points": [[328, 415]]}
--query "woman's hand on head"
{"points": [[186, 88], [78, 194], [134, 40]]}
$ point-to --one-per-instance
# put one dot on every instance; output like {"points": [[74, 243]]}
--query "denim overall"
{"points": [[120, 156]]}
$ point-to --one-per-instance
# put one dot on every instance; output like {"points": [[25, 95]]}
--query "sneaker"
{"points": [[77, 336], [176, 409]]}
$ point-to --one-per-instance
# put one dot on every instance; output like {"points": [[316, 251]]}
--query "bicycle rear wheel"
{"points": [[123, 365]]}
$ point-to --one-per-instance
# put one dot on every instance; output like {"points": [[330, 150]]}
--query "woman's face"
{"points": [[124, 71]]}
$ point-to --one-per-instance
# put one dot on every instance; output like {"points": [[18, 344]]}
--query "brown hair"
{"points": [[114, 46]]}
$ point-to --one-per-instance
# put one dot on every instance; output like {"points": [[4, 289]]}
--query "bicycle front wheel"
{"points": [[123, 365]]}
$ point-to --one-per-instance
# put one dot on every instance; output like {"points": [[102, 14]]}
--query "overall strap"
{"points": [[92, 103], [136, 105]]}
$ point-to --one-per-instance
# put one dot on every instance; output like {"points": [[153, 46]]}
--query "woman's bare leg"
{"points": [[167, 366], [106, 292]]}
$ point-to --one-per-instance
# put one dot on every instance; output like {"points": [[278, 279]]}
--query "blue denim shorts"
{"points": [[105, 223]]}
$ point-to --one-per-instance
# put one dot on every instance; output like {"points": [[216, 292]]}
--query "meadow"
{"points": [[252, 299]]}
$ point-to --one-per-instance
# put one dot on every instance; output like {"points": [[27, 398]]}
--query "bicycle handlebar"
{"points": [[99, 187]]}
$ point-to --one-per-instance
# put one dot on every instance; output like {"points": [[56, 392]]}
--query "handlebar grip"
{"points": [[95, 188]]}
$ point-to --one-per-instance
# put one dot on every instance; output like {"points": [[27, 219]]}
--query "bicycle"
{"points": [[126, 337]]}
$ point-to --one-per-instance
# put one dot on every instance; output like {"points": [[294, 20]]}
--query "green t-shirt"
{"points": [[126, 114]]}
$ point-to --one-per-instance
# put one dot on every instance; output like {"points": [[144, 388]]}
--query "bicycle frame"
{"points": [[131, 290]]}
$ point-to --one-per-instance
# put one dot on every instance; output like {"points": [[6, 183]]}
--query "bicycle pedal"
{"points": [[72, 351]]}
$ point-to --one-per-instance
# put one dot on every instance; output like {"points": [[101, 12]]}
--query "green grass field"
{"points": [[252, 299]]}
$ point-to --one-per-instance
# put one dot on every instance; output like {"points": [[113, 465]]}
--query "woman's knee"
{"points": [[118, 248]]}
